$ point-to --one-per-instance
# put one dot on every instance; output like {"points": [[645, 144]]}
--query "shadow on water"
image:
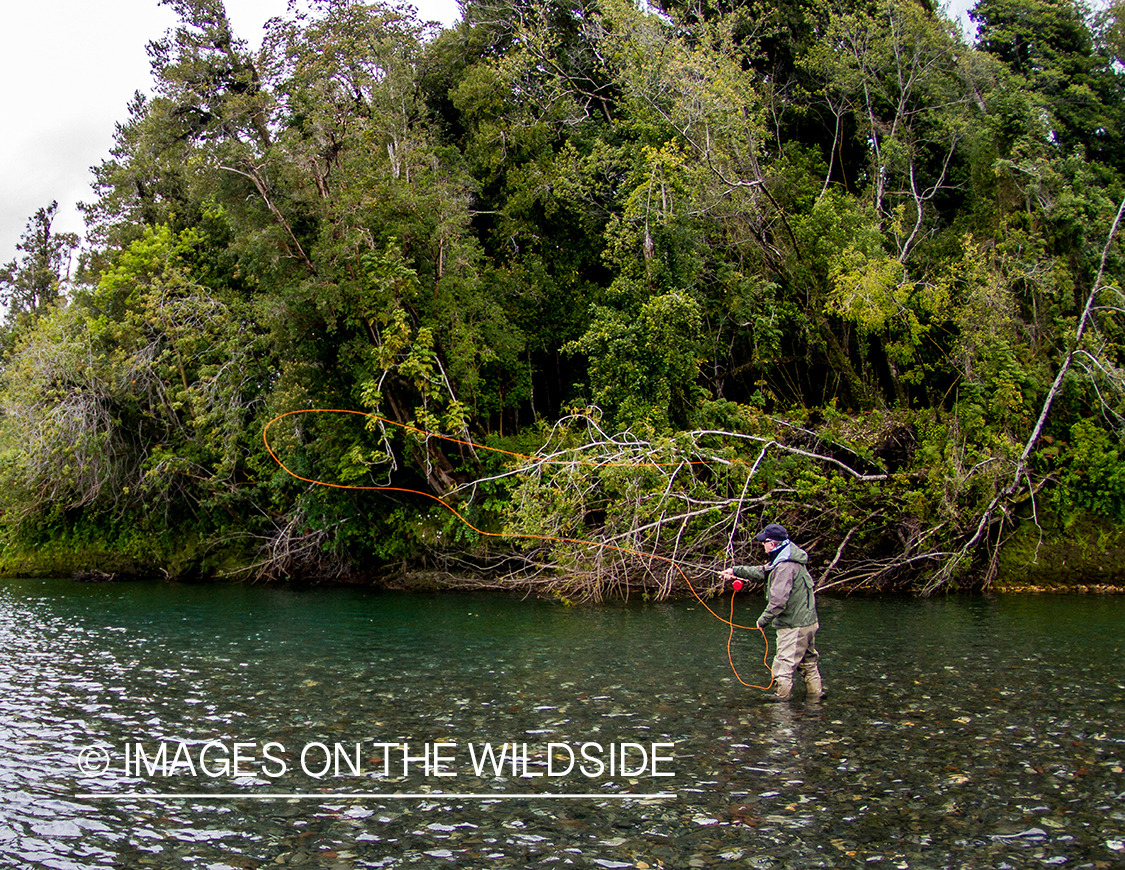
{"points": [[982, 732]]}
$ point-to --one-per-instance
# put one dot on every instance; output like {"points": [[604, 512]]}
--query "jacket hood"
{"points": [[790, 553]]}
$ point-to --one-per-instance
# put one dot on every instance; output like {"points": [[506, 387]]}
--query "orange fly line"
{"points": [[522, 457]]}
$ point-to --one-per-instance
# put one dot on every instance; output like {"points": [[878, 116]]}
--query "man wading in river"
{"points": [[790, 606]]}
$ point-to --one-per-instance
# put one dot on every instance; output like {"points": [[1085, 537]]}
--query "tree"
{"points": [[1113, 30], [145, 183], [35, 280], [1050, 45], [133, 406], [906, 82], [644, 365]]}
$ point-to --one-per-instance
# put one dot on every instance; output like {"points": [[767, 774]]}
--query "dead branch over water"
{"points": [[595, 515]]}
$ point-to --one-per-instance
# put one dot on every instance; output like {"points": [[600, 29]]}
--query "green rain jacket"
{"points": [[790, 602]]}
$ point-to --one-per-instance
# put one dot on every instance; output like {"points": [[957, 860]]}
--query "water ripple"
{"points": [[968, 733]]}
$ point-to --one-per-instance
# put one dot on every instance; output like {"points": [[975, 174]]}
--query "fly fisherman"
{"points": [[790, 606]]}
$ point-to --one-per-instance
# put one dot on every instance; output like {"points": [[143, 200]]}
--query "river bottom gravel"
{"points": [[244, 727]]}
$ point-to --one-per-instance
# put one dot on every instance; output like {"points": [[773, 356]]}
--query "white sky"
{"points": [[67, 71], [68, 68]]}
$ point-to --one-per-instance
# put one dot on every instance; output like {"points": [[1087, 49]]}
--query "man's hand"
{"points": [[727, 574]]}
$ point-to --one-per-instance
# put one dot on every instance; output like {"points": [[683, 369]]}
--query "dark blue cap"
{"points": [[772, 532]]}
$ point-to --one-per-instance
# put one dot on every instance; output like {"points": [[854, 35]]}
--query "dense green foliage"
{"points": [[821, 263]]}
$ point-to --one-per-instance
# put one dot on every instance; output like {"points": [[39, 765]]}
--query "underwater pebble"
{"points": [[939, 764]]}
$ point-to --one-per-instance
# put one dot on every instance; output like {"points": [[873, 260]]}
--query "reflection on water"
{"points": [[956, 733]]}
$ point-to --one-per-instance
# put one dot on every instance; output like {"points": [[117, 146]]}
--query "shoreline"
{"points": [[433, 581], [1050, 558]]}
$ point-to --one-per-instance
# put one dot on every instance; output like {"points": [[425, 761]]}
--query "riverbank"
{"points": [[1085, 556]]}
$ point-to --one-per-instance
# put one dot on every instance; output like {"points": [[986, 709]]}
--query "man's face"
{"points": [[770, 546]]}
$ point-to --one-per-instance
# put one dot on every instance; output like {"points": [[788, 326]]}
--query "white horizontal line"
{"points": [[146, 796]]}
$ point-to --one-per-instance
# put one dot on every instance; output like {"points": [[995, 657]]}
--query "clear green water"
{"points": [[957, 733]]}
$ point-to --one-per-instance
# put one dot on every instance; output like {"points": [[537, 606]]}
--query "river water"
{"points": [[247, 727]]}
